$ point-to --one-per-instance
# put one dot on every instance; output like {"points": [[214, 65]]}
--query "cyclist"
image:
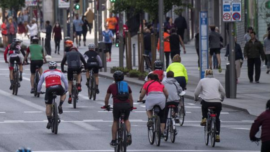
{"points": [[156, 94], [158, 69], [53, 78], [74, 59], [119, 105], [94, 62], [173, 99], [263, 121], [12, 54], [212, 93], [179, 70], [69, 46]]}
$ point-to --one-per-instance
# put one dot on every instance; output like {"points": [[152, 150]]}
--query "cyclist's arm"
{"points": [[178, 87], [198, 90], [64, 79], [255, 128], [168, 69], [83, 61], [63, 62], [99, 61], [41, 80], [166, 93], [185, 74], [143, 92], [107, 99]]}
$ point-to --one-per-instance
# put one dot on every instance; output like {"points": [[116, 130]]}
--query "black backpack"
{"points": [[92, 59]]}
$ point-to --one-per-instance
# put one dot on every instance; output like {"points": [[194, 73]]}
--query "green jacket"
{"points": [[254, 50]]}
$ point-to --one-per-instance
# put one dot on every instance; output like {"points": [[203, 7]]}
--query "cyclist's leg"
{"points": [[60, 91], [70, 78], [33, 71], [20, 62], [87, 74], [79, 78], [40, 64], [116, 116], [95, 70], [218, 109], [204, 112], [48, 102], [11, 67], [210, 58], [181, 81]]}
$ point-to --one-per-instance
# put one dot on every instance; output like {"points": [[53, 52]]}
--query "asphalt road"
{"points": [[87, 128]]}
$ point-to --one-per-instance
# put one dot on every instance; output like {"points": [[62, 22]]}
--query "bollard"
{"points": [[227, 81], [134, 55], [102, 49], [128, 54]]}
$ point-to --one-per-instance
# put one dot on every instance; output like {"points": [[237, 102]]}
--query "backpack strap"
{"points": [[148, 86], [176, 88]]}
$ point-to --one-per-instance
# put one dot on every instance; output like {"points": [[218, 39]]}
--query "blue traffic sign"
{"points": [[236, 8], [226, 8]]}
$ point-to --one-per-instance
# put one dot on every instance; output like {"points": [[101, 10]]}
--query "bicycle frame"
{"points": [[74, 89], [210, 128], [36, 79]]}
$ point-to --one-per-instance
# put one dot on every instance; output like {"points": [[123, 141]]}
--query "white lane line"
{"points": [[2, 112], [13, 121], [192, 107], [86, 126], [224, 113], [241, 128], [32, 112], [143, 106], [71, 111], [97, 120], [191, 104]]}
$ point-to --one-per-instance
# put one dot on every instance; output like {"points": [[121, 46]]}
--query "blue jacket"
{"points": [[237, 50]]}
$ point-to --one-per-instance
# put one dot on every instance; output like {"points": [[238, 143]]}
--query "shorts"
{"points": [[155, 99], [120, 108], [12, 60], [58, 89], [216, 51], [78, 33], [34, 65], [95, 69], [70, 73], [108, 48]]}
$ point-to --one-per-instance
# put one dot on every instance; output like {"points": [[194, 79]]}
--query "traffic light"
{"points": [[76, 6], [112, 1]]}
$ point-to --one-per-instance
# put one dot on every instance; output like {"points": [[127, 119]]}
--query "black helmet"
{"points": [[158, 64], [24, 150], [118, 76], [268, 105]]}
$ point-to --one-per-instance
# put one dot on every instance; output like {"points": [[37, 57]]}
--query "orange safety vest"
{"points": [[167, 47]]}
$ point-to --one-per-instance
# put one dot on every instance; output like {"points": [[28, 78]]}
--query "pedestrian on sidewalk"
{"points": [[263, 122], [48, 38], [111, 22], [147, 43], [33, 29], [108, 39], [175, 42], [144, 26], [84, 29], [25, 21], [247, 35], [169, 23], [78, 23], [90, 16], [238, 58], [167, 47], [214, 45], [21, 27], [5, 33], [57, 35], [197, 46], [253, 52], [125, 29], [180, 24], [11, 29], [267, 51]]}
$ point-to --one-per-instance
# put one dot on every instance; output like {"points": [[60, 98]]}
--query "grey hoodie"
{"points": [[173, 89]]}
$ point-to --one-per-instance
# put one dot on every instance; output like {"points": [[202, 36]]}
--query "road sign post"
{"points": [[203, 42]]}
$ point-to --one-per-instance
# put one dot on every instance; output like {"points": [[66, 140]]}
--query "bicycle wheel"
{"points": [[74, 94], [213, 132], [172, 131], [90, 93], [36, 80], [206, 132], [15, 82], [94, 88], [124, 138], [181, 112], [151, 134], [167, 129], [157, 131], [55, 118]]}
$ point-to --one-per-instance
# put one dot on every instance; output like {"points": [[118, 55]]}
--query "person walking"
{"points": [[108, 39], [21, 27], [111, 22], [175, 42], [5, 33], [167, 47], [253, 52], [169, 23], [78, 23], [33, 29], [84, 29], [147, 43], [48, 38], [197, 47], [57, 35], [238, 58], [90, 16], [214, 45], [180, 24], [25, 21], [267, 51], [11, 29]]}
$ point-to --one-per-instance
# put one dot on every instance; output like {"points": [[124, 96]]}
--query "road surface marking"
{"points": [[32, 112], [2, 112], [191, 104]]}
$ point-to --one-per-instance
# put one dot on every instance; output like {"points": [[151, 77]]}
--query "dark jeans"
{"points": [[167, 56], [174, 52], [84, 35], [57, 45], [90, 25], [217, 110], [268, 61], [48, 46], [251, 63], [198, 53], [182, 82], [149, 53], [265, 146]]}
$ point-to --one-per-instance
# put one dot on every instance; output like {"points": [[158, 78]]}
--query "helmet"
{"points": [[68, 42], [91, 46], [158, 64], [268, 105], [35, 39], [24, 150], [52, 65], [15, 40], [118, 76]]}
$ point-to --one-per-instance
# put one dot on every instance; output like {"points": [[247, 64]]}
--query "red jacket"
{"points": [[6, 52], [264, 121]]}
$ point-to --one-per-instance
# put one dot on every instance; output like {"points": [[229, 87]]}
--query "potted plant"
{"points": [[133, 73], [142, 76]]}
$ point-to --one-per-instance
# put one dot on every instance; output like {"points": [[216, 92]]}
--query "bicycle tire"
{"points": [[94, 89], [206, 133], [90, 88], [213, 133], [172, 131], [181, 112], [151, 134], [55, 117], [36, 80], [157, 131], [16, 81], [167, 129], [74, 94], [124, 138]]}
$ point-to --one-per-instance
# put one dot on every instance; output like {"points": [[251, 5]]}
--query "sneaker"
{"points": [[113, 143], [87, 83], [32, 90], [69, 100], [48, 125], [217, 138], [20, 78], [11, 87], [219, 69], [150, 122], [97, 91], [129, 139], [203, 123], [60, 109], [79, 87]]}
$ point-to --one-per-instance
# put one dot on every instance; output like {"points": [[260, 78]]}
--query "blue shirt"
{"points": [[107, 33], [78, 24]]}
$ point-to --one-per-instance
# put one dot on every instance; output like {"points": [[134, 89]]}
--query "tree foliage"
{"points": [[12, 4]]}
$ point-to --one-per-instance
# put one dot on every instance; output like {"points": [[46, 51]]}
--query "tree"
{"points": [[12, 4]]}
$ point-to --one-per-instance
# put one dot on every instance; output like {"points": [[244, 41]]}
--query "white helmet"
{"points": [[91, 46], [52, 65]]}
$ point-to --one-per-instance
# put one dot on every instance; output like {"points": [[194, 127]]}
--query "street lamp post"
{"points": [[161, 30]]}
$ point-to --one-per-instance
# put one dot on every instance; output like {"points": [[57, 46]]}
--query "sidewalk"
{"points": [[250, 97]]}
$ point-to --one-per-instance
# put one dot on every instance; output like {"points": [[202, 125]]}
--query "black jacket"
{"points": [[237, 50], [147, 41], [48, 32], [254, 50]]}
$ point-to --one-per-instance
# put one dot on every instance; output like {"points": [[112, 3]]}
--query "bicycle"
{"points": [[16, 83], [170, 125], [92, 86], [210, 128], [36, 80], [75, 91], [181, 107], [55, 118], [154, 132], [121, 138]]}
